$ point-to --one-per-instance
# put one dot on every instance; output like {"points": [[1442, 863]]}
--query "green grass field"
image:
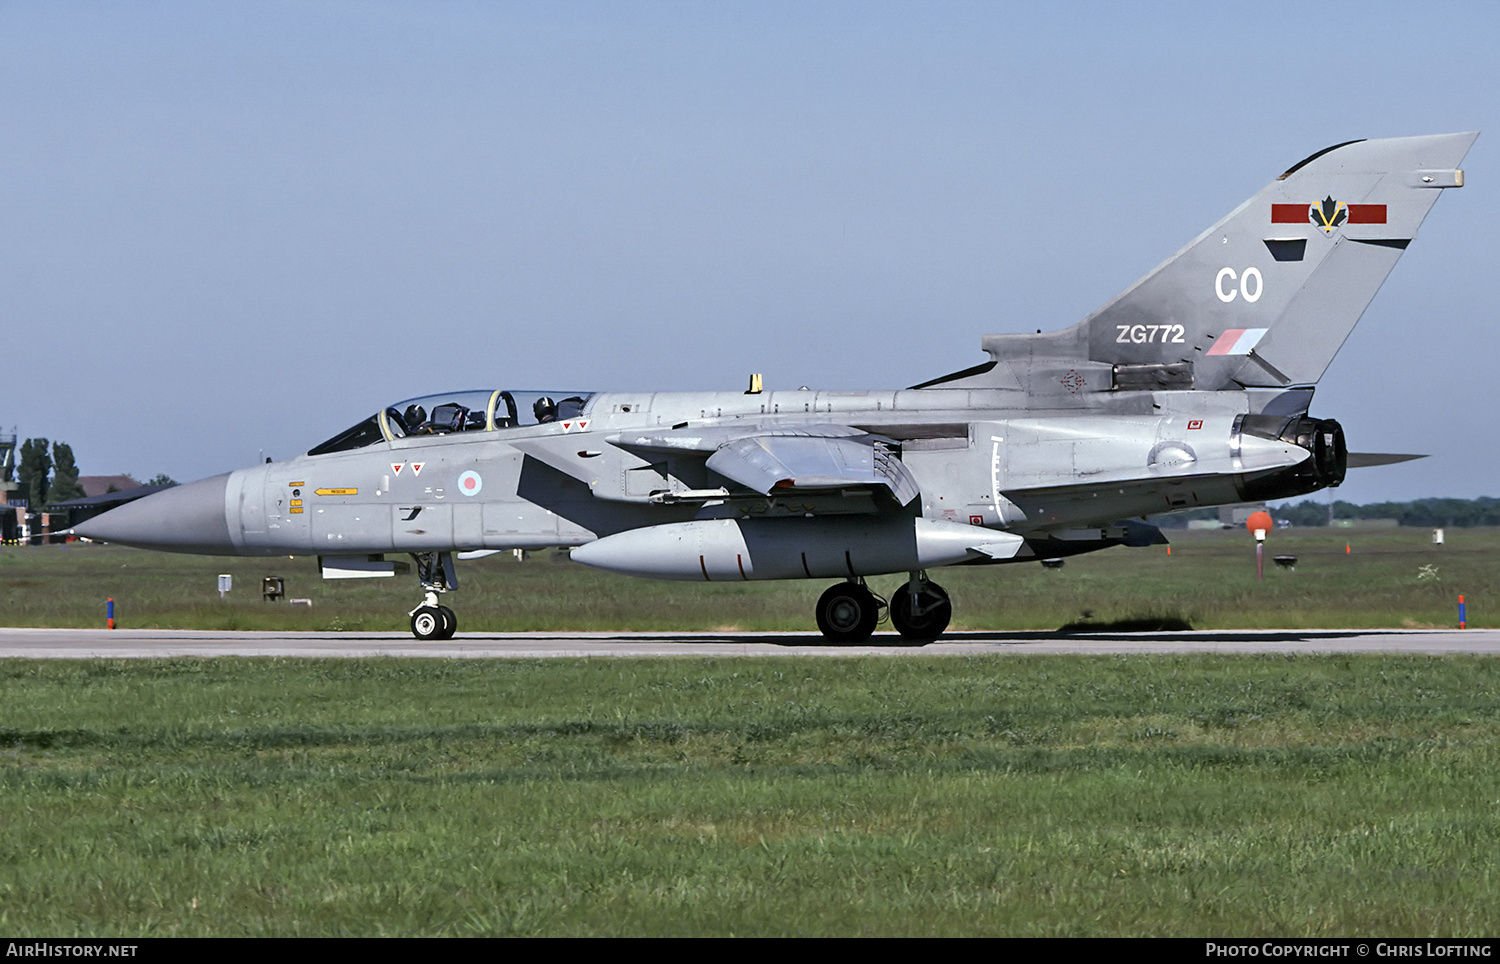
{"points": [[1187, 796], [1280, 796], [1208, 581]]}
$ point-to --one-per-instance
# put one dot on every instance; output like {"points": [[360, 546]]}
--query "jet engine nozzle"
{"points": [[1322, 438]]}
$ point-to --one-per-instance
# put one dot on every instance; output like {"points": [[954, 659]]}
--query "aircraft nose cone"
{"points": [[184, 518]]}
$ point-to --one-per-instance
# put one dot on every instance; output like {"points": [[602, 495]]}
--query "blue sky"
{"points": [[239, 227]]}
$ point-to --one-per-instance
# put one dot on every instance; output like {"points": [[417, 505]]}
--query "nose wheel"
{"points": [[433, 622]]}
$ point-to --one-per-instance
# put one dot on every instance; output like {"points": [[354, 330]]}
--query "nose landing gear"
{"points": [[431, 620]]}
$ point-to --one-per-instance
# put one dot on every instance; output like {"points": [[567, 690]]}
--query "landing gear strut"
{"points": [[920, 610], [436, 574], [848, 612]]}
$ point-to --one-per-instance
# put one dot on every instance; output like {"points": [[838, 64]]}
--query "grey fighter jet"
{"points": [[1191, 388]]}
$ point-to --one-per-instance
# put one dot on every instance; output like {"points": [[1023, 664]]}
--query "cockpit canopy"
{"points": [[472, 411]]}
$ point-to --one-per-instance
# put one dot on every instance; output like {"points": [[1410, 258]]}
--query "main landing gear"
{"points": [[920, 610], [431, 620], [848, 612]]}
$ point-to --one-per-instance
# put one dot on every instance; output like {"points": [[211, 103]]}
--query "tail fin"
{"points": [[1266, 297]]}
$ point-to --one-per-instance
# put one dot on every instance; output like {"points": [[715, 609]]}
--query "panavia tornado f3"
{"points": [[1191, 388]]}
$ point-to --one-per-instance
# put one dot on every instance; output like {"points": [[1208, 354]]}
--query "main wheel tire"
{"points": [[847, 613], [450, 623], [927, 626], [428, 623]]}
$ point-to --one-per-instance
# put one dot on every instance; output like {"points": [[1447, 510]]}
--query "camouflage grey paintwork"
{"points": [[1191, 388]]}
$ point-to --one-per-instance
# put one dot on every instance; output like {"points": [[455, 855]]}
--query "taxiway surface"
{"points": [[159, 643]]}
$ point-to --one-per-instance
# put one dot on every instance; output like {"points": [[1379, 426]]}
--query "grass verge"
{"points": [[1389, 578], [1316, 796]]}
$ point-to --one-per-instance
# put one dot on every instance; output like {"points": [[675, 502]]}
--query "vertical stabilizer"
{"points": [[1266, 297]]}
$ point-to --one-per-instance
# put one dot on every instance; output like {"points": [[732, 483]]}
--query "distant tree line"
{"points": [[1424, 513], [48, 474]]}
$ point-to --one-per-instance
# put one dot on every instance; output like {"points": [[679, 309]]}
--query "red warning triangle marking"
{"points": [[416, 468], [397, 467], [582, 424], [567, 426]]}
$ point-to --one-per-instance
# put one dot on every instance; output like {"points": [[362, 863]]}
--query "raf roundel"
{"points": [[470, 483]]}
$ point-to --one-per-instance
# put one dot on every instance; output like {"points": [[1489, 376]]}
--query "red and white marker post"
{"points": [[1260, 523]]}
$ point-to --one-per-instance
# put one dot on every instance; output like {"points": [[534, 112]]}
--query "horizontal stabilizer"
{"points": [[1365, 460], [1258, 456]]}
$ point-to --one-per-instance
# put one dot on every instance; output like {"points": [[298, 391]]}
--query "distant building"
{"points": [[1235, 516], [12, 515], [7, 469], [92, 505], [93, 485], [103, 492], [19, 523]]}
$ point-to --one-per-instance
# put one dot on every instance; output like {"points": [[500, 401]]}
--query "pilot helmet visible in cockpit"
{"points": [[545, 409]]}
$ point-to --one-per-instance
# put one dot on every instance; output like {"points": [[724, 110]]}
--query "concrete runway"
{"points": [[158, 643]]}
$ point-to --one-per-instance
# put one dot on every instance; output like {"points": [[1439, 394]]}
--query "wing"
{"points": [[772, 463], [805, 460]]}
